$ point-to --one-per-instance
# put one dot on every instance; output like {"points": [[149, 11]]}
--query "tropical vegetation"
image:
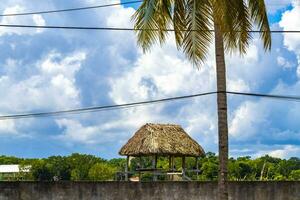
{"points": [[81, 167]]}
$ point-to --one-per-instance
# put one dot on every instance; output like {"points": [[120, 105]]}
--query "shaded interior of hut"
{"points": [[160, 168]]}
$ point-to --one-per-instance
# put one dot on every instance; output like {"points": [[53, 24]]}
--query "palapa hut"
{"points": [[166, 140]]}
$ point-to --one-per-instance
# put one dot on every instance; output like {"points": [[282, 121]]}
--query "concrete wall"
{"points": [[146, 191]]}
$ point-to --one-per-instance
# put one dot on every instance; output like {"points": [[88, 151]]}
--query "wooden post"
{"points": [[154, 166], [126, 168], [173, 164], [140, 165], [173, 167], [170, 168], [197, 167], [183, 167]]}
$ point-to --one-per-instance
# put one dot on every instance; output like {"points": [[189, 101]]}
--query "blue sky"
{"points": [[48, 70]]}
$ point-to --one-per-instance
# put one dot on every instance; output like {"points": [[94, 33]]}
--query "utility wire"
{"points": [[100, 108], [271, 96], [127, 29], [71, 9], [142, 103], [89, 8]]}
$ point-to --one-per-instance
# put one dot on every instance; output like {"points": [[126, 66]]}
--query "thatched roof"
{"points": [[161, 139]]}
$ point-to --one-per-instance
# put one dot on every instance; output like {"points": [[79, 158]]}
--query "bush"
{"points": [[102, 172]]}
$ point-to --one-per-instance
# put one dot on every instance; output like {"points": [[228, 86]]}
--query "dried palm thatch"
{"points": [[161, 139]]}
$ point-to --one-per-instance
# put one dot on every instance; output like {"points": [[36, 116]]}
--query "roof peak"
{"points": [[161, 124]]}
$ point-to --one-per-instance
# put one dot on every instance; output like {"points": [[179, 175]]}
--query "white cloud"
{"points": [[20, 20], [7, 127], [238, 85], [52, 87], [281, 61], [285, 151], [114, 131], [247, 120], [55, 64], [76, 132], [161, 73], [289, 22]]}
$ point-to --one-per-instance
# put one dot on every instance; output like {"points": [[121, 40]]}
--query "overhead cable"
{"points": [[70, 9], [94, 7], [129, 29], [271, 96], [100, 108], [142, 103]]}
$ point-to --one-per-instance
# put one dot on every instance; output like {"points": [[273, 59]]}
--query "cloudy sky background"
{"points": [[49, 70]]}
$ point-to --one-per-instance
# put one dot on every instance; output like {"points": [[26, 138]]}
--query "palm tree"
{"points": [[192, 22]]}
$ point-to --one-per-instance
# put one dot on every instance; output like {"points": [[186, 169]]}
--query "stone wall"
{"points": [[146, 191]]}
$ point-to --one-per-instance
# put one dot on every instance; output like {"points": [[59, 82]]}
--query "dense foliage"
{"points": [[87, 167]]}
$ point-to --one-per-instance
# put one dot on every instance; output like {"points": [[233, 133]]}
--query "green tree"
{"points": [[209, 171], [80, 165], [102, 172], [9, 160], [41, 171], [119, 163], [295, 175], [192, 20], [59, 167]]}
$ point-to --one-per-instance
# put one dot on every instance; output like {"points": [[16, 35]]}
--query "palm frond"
{"points": [[144, 21], [242, 26], [163, 18], [197, 39], [179, 21], [259, 15], [151, 21]]}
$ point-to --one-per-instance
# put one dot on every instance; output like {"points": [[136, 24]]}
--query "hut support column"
{"points": [[126, 168], [140, 166], [183, 167], [197, 166], [170, 167], [154, 166], [173, 167]]}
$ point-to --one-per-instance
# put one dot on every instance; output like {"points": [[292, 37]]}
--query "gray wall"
{"points": [[147, 191]]}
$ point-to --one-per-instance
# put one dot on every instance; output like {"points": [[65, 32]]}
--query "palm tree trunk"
{"points": [[222, 114]]}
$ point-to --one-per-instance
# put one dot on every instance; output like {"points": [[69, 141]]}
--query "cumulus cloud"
{"points": [[7, 128], [285, 64], [162, 72], [247, 120], [267, 122], [51, 87], [289, 22], [285, 151], [37, 20], [74, 131], [116, 130]]}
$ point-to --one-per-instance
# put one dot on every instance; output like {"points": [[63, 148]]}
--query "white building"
{"points": [[10, 172]]}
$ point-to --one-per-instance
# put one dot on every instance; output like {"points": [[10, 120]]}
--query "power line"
{"points": [[142, 103], [71, 9], [100, 108], [271, 96], [89, 8], [127, 29]]}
